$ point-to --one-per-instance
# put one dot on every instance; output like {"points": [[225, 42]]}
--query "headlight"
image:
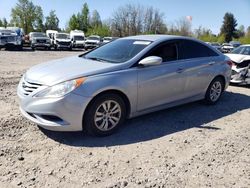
{"points": [[61, 89]]}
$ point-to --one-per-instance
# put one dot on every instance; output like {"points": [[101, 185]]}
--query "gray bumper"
{"points": [[57, 114]]}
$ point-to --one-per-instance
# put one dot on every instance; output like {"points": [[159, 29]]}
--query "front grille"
{"points": [[29, 87], [91, 43], [64, 43], [41, 41], [8, 38]]}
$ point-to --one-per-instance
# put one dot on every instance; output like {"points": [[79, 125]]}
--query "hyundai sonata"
{"points": [[128, 77]]}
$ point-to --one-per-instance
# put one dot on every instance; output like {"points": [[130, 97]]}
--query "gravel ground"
{"points": [[192, 145]]}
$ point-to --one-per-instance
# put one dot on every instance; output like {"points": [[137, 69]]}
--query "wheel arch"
{"points": [[113, 91], [223, 79]]}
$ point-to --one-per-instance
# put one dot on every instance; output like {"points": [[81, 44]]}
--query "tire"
{"points": [[20, 47], [33, 48], [214, 91], [98, 122]]}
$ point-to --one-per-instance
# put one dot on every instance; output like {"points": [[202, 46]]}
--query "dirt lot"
{"points": [[192, 145]]}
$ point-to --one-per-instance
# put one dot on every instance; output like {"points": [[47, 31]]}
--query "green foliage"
{"points": [[95, 20], [1, 23], [5, 23], [52, 21], [38, 24], [80, 21], [27, 16], [101, 30], [229, 27], [85, 17], [221, 38]]}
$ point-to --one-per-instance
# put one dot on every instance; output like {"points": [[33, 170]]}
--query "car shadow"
{"points": [[161, 123]]}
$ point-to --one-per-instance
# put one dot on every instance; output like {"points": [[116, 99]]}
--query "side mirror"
{"points": [[150, 61]]}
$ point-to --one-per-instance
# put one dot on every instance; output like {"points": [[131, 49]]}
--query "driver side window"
{"points": [[168, 52]]}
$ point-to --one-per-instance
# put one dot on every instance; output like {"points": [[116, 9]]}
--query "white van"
{"points": [[77, 38], [51, 34]]}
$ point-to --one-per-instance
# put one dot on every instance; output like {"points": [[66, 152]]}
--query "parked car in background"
{"points": [[39, 40], [108, 39], [51, 34], [128, 77], [62, 41], [226, 47], [241, 64], [235, 44], [10, 39], [77, 38], [216, 45], [92, 41]]}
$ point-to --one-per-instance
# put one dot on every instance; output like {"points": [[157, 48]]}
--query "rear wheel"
{"points": [[214, 91], [104, 115]]}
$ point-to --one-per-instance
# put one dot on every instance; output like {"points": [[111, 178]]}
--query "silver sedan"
{"points": [[128, 77]]}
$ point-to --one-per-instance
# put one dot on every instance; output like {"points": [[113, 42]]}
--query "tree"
{"points": [[26, 15], [52, 21], [136, 19], [248, 32], [85, 18], [74, 22], [38, 24], [1, 23], [229, 27], [184, 27], [241, 31], [5, 23], [95, 20]]}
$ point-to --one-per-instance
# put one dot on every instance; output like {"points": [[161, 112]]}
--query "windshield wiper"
{"points": [[96, 59]]}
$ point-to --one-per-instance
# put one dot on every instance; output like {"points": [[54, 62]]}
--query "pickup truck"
{"points": [[9, 39], [39, 40]]}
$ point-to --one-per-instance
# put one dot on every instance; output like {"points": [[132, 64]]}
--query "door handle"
{"points": [[211, 63], [180, 70]]}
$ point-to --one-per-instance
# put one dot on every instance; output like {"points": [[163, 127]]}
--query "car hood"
{"points": [[41, 38], [238, 58], [94, 41], [61, 70]]}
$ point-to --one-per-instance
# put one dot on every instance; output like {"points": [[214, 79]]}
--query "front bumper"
{"points": [[90, 46], [41, 45], [56, 114]]}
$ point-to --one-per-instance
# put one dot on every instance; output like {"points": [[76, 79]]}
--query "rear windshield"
{"points": [[118, 51]]}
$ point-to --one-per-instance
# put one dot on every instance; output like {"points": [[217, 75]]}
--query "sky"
{"points": [[208, 13]]}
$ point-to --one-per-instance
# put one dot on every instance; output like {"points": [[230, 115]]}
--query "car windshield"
{"points": [[7, 32], [245, 50], [93, 38], [118, 51], [38, 35], [215, 44], [62, 36], [78, 37]]}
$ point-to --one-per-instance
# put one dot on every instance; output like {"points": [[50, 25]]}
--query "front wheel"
{"points": [[214, 91], [104, 115]]}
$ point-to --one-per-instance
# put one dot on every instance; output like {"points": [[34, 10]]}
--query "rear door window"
{"points": [[190, 49]]}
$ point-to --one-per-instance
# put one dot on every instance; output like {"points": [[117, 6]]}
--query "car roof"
{"points": [[158, 37], [246, 45]]}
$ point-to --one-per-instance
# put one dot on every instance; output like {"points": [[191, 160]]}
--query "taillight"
{"points": [[230, 63]]}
